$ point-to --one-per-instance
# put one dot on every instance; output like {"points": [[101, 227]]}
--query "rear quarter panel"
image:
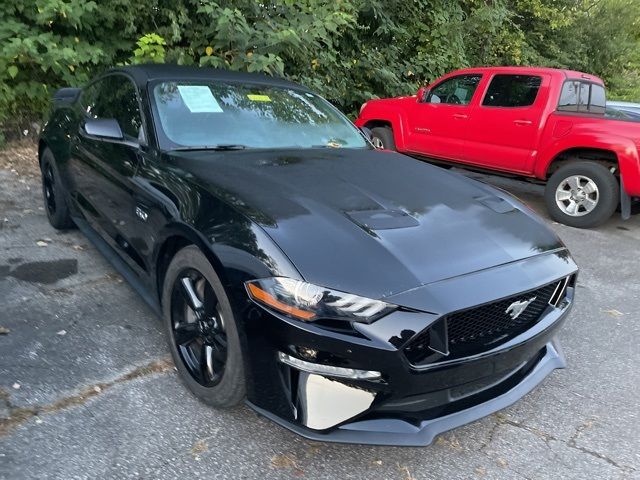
{"points": [[569, 131], [59, 129]]}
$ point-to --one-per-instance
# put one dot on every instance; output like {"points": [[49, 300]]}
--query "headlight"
{"points": [[308, 302]]}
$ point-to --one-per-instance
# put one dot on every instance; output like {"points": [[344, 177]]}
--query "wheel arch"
{"points": [[378, 123], [233, 261], [392, 120], [175, 238], [607, 157], [42, 144]]}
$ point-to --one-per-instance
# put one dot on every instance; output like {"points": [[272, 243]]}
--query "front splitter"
{"points": [[401, 433]]}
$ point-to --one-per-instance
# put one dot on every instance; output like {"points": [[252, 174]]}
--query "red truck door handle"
{"points": [[522, 122], [460, 116]]}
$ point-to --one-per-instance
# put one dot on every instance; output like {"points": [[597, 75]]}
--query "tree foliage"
{"points": [[348, 50]]}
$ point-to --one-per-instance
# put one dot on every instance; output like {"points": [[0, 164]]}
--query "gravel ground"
{"points": [[87, 388]]}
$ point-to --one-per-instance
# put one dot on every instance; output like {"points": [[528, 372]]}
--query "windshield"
{"points": [[217, 114]]}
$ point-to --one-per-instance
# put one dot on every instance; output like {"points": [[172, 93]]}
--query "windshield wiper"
{"points": [[218, 148]]}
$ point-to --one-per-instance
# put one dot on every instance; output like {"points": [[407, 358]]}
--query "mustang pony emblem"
{"points": [[516, 308]]}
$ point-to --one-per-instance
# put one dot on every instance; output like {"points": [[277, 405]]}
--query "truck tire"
{"points": [[382, 137], [582, 194]]}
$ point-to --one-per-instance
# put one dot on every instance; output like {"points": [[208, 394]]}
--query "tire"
{"points": [[54, 194], [382, 137], [223, 385], [561, 194]]}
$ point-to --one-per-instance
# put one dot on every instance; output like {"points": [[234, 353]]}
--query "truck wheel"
{"points": [[582, 194], [382, 137]]}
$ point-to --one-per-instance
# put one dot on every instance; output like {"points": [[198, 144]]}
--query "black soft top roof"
{"points": [[142, 74]]}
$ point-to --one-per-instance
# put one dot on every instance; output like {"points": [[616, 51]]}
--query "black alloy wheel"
{"points": [[53, 193], [48, 182], [199, 327], [202, 330]]}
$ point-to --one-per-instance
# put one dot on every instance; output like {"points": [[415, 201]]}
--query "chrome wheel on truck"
{"points": [[577, 195], [382, 138], [582, 194]]}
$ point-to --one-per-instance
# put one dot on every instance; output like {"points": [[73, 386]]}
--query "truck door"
{"points": [[504, 129], [439, 123]]}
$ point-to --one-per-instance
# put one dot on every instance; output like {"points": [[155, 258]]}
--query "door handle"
{"points": [[460, 116], [522, 122]]}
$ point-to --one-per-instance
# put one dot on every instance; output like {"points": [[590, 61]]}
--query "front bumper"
{"points": [[411, 403], [395, 431]]}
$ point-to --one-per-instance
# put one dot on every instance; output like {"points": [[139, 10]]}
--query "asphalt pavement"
{"points": [[88, 390]]}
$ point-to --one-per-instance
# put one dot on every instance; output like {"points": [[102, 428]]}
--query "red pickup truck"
{"points": [[544, 124]]}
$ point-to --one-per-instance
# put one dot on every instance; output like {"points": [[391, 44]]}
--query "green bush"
{"points": [[349, 50]]}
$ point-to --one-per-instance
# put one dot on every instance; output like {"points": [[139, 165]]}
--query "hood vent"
{"points": [[497, 204], [382, 219]]}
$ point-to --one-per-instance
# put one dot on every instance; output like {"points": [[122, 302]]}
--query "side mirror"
{"points": [[423, 93], [104, 128], [367, 132]]}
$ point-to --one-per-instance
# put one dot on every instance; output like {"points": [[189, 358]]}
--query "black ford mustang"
{"points": [[349, 294]]}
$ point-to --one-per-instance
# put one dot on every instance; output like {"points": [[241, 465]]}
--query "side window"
{"points": [[89, 97], [598, 100], [579, 96], [583, 97], [454, 91], [512, 91], [117, 99], [569, 97]]}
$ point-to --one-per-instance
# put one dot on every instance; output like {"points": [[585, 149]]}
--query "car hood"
{"points": [[369, 222]]}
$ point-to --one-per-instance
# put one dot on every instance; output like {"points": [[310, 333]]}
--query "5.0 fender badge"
{"points": [[141, 214]]}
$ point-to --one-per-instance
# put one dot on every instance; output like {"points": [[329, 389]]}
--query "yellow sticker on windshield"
{"points": [[258, 98]]}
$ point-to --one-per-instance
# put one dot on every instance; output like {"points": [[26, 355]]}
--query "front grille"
{"points": [[492, 320], [480, 328]]}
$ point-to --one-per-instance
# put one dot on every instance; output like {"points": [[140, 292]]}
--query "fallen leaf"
{"points": [[449, 440], [377, 462], [502, 462], [480, 471], [283, 461], [199, 447], [4, 331], [614, 313], [406, 472]]}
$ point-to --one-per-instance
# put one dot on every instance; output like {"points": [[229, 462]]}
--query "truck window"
{"points": [[512, 91], [454, 91], [577, 96], [583, 97], [598, 99]]}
